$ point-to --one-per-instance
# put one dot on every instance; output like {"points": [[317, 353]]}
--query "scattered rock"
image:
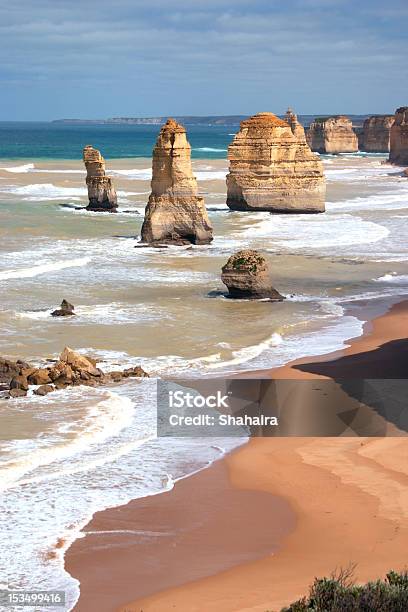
{"points": [[79, 362], [17, 393], [375, 137], [101, 192], [272, 168], [332, 135], [44, 390], [136, 371], [399, 138], [41, 376], [65, 310], [247, 276], [19, 382], [9, 368], [175, 213]]}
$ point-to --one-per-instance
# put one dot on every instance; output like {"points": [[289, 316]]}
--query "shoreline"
{"points": [[244, 471]]}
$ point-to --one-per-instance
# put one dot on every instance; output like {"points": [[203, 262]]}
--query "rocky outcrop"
{"points": [[101, 192], [375, 137], [399, 137], [332, 135], [246, 275], [175, 213], [65, 310], [272, 168], [71, 369]]}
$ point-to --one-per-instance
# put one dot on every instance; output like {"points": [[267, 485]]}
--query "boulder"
{"points": [[272, 168], [19, 382], [136, 371], [332, 135], [246, 275], [65, 310], [399, 138], [41, 376], [44, 390], [9, 369], [17, 393], [375, 137], [79, 362], [101, 192], [175, 213]]}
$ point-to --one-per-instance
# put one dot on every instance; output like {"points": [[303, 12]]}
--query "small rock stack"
{"points": [[101, 192], [375, 137], [272, 168], [399, 138], [247, 276], [332, 135], [175, 213]]}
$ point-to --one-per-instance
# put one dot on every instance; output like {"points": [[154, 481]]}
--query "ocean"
{"points": [[77, 451]]}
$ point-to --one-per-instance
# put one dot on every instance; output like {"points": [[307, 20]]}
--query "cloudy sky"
{"points": [[89, 59]]}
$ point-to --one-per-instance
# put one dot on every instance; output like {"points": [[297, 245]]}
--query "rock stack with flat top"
{"points": [[272, 168], [399, 138], [246, 275], [175, 213], [376, 134], [101, 192], [332, 135]]}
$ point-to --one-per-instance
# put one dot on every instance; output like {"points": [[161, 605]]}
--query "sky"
{"points": [[142, 58]]}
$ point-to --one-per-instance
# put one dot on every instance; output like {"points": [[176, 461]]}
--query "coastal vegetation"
{"points": [[340, 593]]}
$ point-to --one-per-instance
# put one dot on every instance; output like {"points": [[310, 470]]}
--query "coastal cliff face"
{"points": [[272, 168], [247, 276], [175, 212], [375, 137], [332, 135], [101, 192], [399, 137]]}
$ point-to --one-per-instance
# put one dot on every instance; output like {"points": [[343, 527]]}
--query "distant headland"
{"points": [[190, 120]]}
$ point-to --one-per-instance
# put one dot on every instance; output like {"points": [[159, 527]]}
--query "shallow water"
{"points": [[72, 453]]}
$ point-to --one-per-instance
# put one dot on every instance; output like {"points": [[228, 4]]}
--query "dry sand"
{"points": [[349, 496]]}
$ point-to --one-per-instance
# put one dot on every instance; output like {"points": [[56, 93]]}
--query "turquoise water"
{"points": [[26, 140]]}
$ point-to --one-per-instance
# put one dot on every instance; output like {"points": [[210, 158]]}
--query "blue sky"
{"points": [[82, 58]]}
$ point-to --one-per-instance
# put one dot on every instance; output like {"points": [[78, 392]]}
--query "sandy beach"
{"points": [[346, 503]]}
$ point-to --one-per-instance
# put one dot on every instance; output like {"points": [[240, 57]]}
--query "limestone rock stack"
{"points": [[399, 137], [246, 275], [272, 168], [175, 212], [376, 134], [332, 135], [101, 192]]}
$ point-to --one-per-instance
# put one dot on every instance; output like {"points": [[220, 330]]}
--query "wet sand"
{"points": [[349, 496]]}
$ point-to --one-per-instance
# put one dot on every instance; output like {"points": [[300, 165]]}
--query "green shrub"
{"points": [[339, 593]]}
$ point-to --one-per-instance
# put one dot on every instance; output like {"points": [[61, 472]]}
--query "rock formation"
{"points": [[70, 369], [65, 310], [101, 192], [399, 137], [375, 136], [246, 275], [175, 213], [272, 168], [332, 135]]}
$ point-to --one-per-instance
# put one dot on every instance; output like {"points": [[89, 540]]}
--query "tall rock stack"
{"points": [[332, 135], [101, 192], [272, 168], [376, 134], [175, 213], [399, 138]]}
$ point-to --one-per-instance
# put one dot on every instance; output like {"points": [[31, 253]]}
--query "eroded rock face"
{"points": [[272, 168], [246, 275], [399, 137], [101, 192], [175, 213], [375, 137], [332, 135]]}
